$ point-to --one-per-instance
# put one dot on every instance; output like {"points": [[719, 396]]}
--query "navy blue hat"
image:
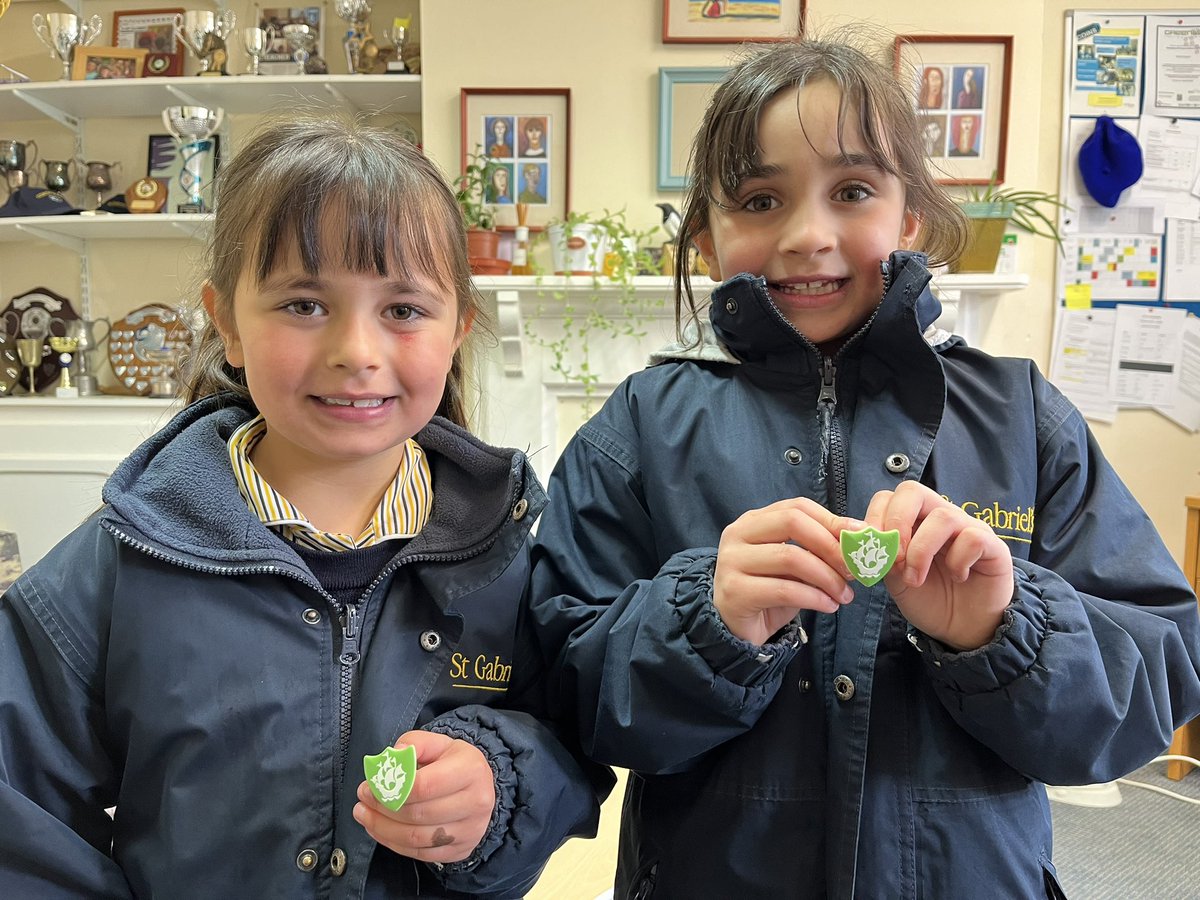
{"points": [[1110, 160], [31, 201]]}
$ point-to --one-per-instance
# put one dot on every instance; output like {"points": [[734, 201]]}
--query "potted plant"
{"points": [[483, 240], [606, 250], [991, 209]]}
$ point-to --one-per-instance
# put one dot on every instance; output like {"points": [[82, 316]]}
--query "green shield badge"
{"points": [[869, 554], [390, 775]]}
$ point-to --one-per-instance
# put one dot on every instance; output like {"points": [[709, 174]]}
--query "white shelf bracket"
{"points": [[508, 320], [340, 97], [65, 241], [183, 97], [50, 112]]}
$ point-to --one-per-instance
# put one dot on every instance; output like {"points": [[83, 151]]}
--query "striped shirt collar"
{"points": [[402, 513]]}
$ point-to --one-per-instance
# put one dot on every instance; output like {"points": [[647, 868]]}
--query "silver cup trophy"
{"points": [[84, 332], [192, 126], [14, 163], [97, 177], [57, 174], [254, 42], [63, 32], [301, 39], [204, 32]]}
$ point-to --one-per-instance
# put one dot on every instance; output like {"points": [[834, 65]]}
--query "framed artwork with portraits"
{"points": [[960, 85]]}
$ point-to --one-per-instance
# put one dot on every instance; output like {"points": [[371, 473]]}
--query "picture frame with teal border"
{"points": [[683, 94]]}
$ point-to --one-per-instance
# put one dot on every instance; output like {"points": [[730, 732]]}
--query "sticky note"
{"points": [[870, 554], [1079, 296], [390, 775]]}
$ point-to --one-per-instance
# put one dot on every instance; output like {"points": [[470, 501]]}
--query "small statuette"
{"points": [[870, 554], [390, 775]]}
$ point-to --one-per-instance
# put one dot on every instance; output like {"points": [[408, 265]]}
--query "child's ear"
{"points": [[909, 229], [704, 243], [228, 333], [464, 329]]}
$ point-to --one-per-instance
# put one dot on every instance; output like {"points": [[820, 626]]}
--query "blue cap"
{"points": [[1110, 160], [31, 201]]}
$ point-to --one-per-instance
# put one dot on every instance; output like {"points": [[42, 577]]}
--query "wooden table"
{"points": [[1187, 738]]}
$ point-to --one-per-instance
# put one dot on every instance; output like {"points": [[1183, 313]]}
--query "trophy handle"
{"points": [[226, 22], [89, 30], [42, 30], [34, 156], [181, 34], [16, 318], [107, 330]]}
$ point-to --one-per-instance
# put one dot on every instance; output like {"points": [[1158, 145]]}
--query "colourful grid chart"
{"points": [[1118, 267]]}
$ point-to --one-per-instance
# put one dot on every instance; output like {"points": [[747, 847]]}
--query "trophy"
{"points": [[65, 347], [12, 161], [63, 32], [204, 33], [398, 35], [98, 177], [30, 351], [162, 378], [192, 126], [57, 174], [302, 41], [254, 40], [355, 13], [84, 333]]}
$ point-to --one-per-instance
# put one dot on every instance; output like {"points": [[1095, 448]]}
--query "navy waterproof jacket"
{"points": [[869, 761], [175, 659]]}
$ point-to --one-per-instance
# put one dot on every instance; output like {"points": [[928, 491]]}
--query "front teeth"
{"points": [[361, 404], [809, 289]]}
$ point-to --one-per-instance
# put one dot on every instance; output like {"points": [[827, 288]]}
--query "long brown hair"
{"points": [[725, 150], [286, 177]]}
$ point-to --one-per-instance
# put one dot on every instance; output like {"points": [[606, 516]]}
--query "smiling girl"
{"points": [[281, 579], [792, 731]]}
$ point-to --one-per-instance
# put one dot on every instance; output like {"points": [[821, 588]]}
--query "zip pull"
{"points": [[350, 654], [826, 403], [885, 269], [828, 396]]}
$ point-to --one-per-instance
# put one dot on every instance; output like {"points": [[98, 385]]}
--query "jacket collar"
{"points": [[747, 322], [177, 494]]}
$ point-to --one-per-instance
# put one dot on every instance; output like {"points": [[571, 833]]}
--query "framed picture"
{"points": [[164, 164], [527, 131], [731, 21], [961, 85], [93, 63], [151, 30], [277, 60], [683, 95]]}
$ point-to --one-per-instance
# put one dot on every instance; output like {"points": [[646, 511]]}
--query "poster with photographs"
{"points": [[961, 93]]}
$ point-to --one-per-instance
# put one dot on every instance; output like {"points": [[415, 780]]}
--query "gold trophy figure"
{"points": [[30, 351], [65, 347]]}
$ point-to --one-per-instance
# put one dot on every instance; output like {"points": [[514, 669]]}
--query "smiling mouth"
{"points": [[358, 404], [810, 288]]}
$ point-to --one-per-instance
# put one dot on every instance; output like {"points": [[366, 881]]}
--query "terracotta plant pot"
{"points": [[483, 249]]}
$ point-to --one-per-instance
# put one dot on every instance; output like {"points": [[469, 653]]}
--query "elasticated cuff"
{"points": [[1007, 657], [736, 660]]}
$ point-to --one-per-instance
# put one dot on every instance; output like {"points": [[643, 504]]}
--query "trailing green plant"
{"points": [[472, 190], [1035, 212], [584, 315]]}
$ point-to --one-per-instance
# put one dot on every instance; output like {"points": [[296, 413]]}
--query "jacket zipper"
{"points": [[348, 616]]}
